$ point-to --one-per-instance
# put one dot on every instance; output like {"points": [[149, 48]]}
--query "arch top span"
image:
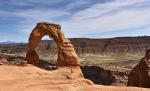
{"points": [[66, 53]]}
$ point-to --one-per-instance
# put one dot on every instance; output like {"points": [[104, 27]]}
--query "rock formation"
{"points": [[140, 75], [66, 52]]}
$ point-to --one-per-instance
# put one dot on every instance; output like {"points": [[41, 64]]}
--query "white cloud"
{"points": [[33, 16], [33, 2], [110, 16], [36, 14], [77, 4]]}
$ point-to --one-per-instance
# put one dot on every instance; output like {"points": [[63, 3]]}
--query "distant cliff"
{"points": [[87, 45], [94, 46]]}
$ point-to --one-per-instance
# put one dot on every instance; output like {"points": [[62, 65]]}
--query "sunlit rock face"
{"points": [[66, 53], [140, 75], [31, 78]]}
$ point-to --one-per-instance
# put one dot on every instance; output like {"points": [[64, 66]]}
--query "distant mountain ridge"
{"points": [[11, 42], [7, 42]]}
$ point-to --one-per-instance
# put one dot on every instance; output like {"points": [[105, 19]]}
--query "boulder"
{"points": [[140, 74]]}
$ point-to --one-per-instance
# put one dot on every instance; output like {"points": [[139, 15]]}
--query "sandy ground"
{"points": [[30, 78]]}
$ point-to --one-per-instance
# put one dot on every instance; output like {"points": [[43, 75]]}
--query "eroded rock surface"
{"points": [[31, 78], [140, 75], [66, 52]]}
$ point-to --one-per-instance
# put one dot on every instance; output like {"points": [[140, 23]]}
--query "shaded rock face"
{"points": [[66, 52], [98, 75], [140, 75]]}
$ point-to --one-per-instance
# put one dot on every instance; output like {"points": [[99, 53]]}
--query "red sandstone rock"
{"points": [[35, 79], [66, 52], [140, 75]]}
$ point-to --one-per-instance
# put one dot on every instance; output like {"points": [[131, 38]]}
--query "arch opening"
{"points": [[47, 50]]}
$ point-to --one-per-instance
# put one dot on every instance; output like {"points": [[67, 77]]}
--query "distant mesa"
{"points": [[130, 45]]}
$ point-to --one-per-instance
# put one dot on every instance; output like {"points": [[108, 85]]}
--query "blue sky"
{"points": [[78, 18]]}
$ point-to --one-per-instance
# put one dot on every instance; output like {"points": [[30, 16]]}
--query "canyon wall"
{"points": [[102, 46]]}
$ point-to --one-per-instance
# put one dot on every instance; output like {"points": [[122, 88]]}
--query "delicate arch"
{"points": [[66, 52]]}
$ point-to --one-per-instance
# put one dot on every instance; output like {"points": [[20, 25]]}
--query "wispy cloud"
{"points": [[31, 2], [110, 16]]}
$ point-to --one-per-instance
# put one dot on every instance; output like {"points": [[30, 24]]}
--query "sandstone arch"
{"points": [[66, 53]]}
